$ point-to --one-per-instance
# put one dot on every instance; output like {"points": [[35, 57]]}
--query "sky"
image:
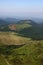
{"points": [[21, 8]]}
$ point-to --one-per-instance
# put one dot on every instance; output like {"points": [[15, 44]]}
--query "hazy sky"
{"points": [[21, 8]]}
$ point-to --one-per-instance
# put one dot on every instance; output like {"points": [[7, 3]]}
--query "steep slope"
{"points": [[29, 54], [32, 30], [3, 61]]}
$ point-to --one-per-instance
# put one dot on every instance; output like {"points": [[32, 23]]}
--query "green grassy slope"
{"points": [[2, 60], [19, 27], [23, 47], [29, 54]]}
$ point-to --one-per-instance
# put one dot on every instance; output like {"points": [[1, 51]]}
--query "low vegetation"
{"points": [[23, 46]]}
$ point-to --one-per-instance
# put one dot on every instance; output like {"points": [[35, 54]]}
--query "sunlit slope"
{"points": [[19, 27], [11, 38], [29, 54]]}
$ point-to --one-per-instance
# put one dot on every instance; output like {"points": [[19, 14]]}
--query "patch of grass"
{"points": [[21, 51], [11, 38], [29, 54], [2, 60]]}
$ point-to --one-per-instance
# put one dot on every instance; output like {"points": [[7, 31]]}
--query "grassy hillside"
{"points": [[29, 54], [11, 38], [2, 60], [22, 47], [17, 26], [20, 50]]}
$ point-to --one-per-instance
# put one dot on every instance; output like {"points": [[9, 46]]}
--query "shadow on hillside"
{"points": [[6, 49], [7, 31], [35, 32]]}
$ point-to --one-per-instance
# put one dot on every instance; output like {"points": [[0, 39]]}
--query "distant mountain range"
{"points": [[31, 22], [8, 21], [27, 28], [13, 24], [11, 20], [14, 20], [3, 22]]}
